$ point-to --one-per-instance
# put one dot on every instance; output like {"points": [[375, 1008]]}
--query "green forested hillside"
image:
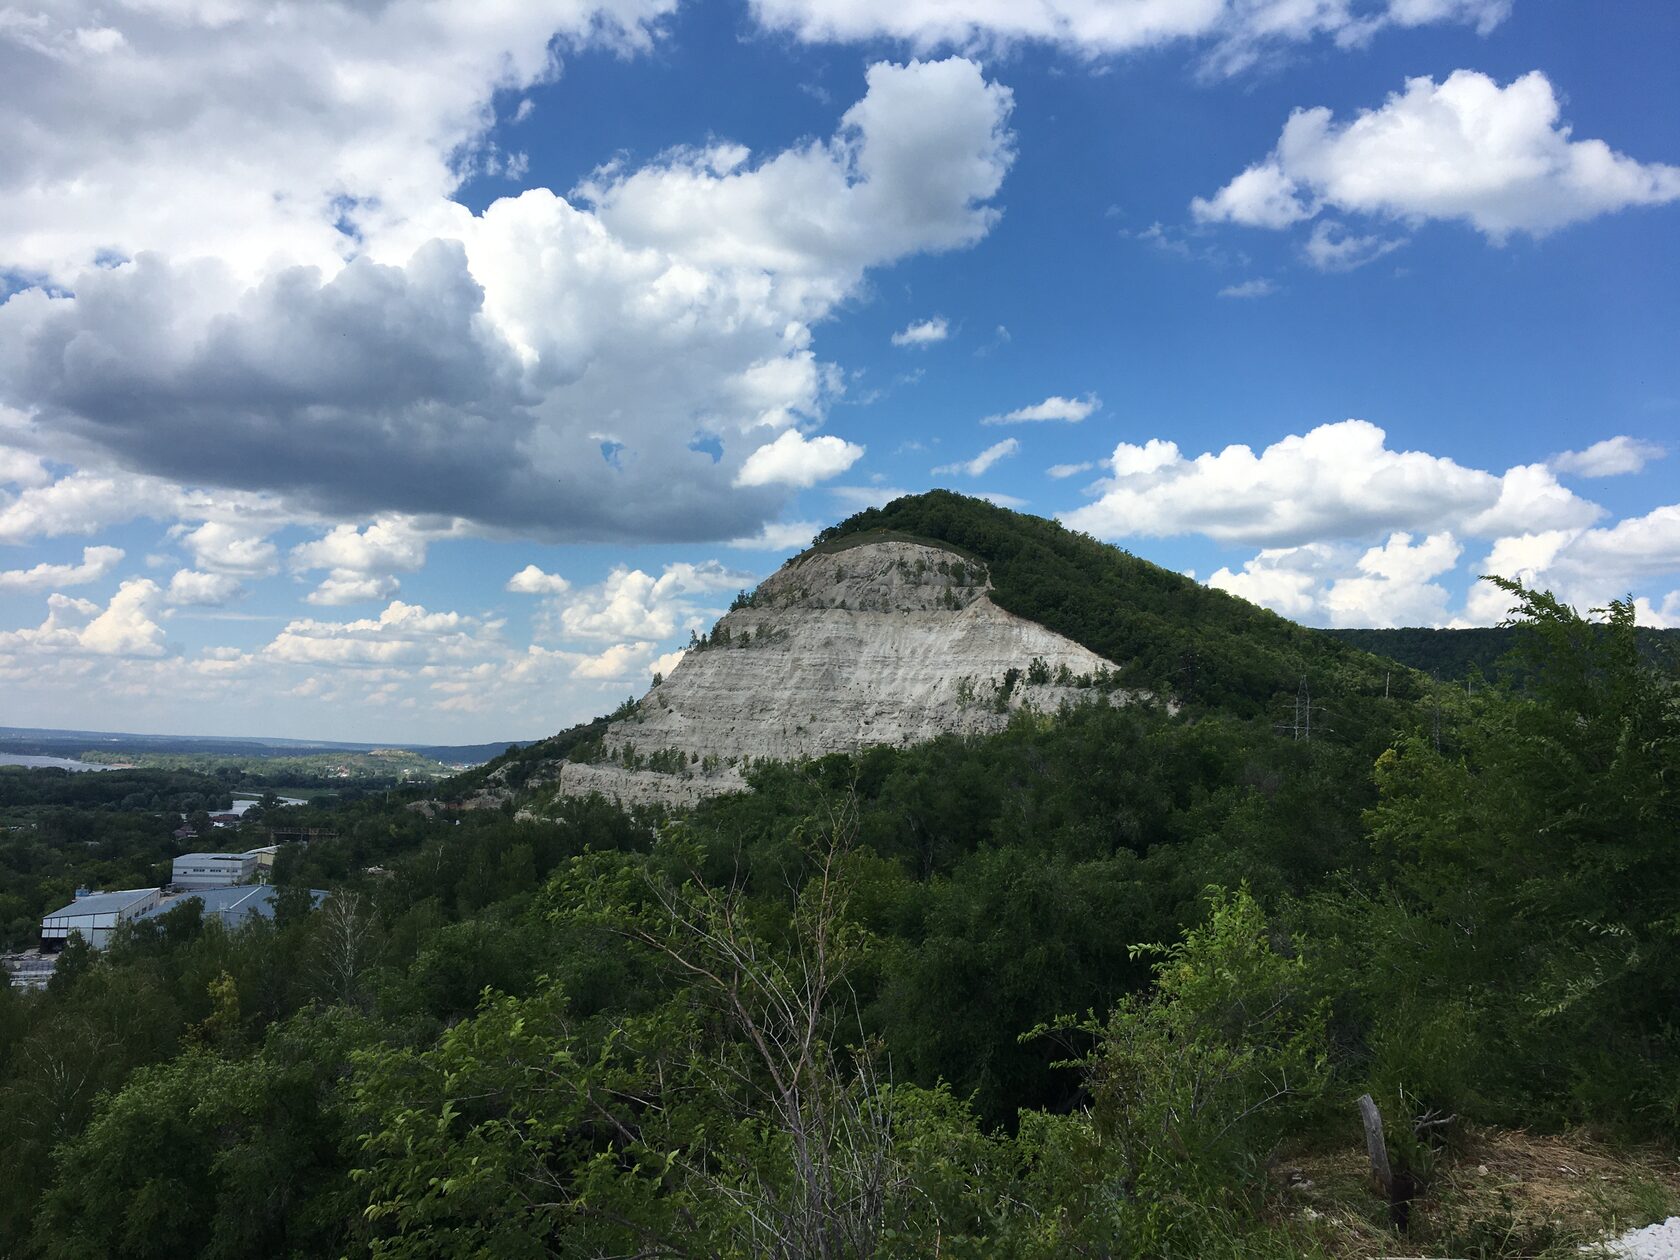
{"points": [[1483, 650], [1170, 634], [1100, 985]]}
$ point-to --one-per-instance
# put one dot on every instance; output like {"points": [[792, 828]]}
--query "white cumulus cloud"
{"points": [[922, 332], [1336, 481], [1388, 585], [984, 460], [228, 547], [796, 460], [1589, 567], [1055, 407], [1234, 33], [779, 536], [346, 587], [632, 604], [402, 635], [190, 588], [237, 130], [388, 545], [21, 468], [1611, 457], [620, 661], [96, 563], [123, 627], [362, 563], [1500, 158], [533, 581]]}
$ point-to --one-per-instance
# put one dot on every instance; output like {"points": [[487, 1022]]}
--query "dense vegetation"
{"points": [[1172, 636], [1483, 651], [1072, 990]]}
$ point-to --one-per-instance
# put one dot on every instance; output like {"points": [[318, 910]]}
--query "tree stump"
{"points": [[1397, 1188]]}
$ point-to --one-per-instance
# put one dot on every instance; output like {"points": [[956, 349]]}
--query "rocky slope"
{"points": [[887, 642]]}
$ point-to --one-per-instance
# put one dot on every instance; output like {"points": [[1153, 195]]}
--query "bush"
{"points": [[1194, 1085]]}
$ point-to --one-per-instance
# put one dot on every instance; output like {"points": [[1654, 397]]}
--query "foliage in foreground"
{"points": [[888, 1005]]}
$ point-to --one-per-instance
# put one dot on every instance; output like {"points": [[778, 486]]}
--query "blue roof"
{"points": [[232, 904], [101, 903]]}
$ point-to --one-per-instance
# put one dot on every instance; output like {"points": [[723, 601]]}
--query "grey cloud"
{"points": [[381, 389], [482, 379]]}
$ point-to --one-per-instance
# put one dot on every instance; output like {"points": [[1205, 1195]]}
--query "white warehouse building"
{"points": [[95, 916], [213, 870]]}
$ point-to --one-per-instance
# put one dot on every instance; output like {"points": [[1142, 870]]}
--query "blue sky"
{"points": [[426, 375]]}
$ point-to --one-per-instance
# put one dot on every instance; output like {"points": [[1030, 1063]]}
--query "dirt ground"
{"points": [[1495, 1193]]}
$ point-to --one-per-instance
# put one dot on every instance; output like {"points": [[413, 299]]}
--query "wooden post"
{"points": [[1397, 1189], [1375, 1147]]}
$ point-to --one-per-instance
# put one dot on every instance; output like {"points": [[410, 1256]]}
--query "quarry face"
{"points": [[886, 642]]}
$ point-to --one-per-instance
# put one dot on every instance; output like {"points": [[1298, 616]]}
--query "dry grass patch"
{"points": [[1497, 1193]]}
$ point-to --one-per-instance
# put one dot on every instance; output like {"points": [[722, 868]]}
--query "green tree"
{"points": [[216, 1157], [1542, 830]]}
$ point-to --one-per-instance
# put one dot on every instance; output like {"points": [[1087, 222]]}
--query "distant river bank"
{"points": [[62, 763]]}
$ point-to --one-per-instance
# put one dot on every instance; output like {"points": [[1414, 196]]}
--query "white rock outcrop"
{"points": [[883, 643]]}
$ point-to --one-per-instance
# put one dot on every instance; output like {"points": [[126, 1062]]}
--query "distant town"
{"points": [[228, 885]]}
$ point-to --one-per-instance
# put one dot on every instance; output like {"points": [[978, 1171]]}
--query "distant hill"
{"points": [[48, 742], [1455, 654]]}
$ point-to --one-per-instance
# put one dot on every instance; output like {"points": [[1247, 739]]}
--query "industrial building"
{"points": [[95, 916], [226, 884], [213, 870], [233, 906]]}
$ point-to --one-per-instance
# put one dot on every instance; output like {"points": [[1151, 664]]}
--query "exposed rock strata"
{"points": [[884, 643]]}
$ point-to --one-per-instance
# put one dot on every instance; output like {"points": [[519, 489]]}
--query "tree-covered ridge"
{"points": [[1170, 634], [1483, 650]]}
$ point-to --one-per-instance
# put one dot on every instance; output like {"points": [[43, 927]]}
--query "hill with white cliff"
{"points": [[881, 642], [941, 615]]}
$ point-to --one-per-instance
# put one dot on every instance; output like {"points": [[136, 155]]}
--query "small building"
{"points": [[30, 969], [213, 870], [185, 833], [265, 859], [95, 916], [233, 906]]}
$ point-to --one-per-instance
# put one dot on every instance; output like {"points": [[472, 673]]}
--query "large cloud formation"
{"points": [[255, 130], [1498, 158], [1335, 481], [1352, 532], [632, 361]]}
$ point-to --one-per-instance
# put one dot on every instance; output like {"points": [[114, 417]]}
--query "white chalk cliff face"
{"points": [[882, 643]]}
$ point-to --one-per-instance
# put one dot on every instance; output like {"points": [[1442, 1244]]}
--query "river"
{"points": [[63, 763]]}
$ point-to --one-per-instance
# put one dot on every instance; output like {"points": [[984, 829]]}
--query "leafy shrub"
{"points": [[1196, 1083]]}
